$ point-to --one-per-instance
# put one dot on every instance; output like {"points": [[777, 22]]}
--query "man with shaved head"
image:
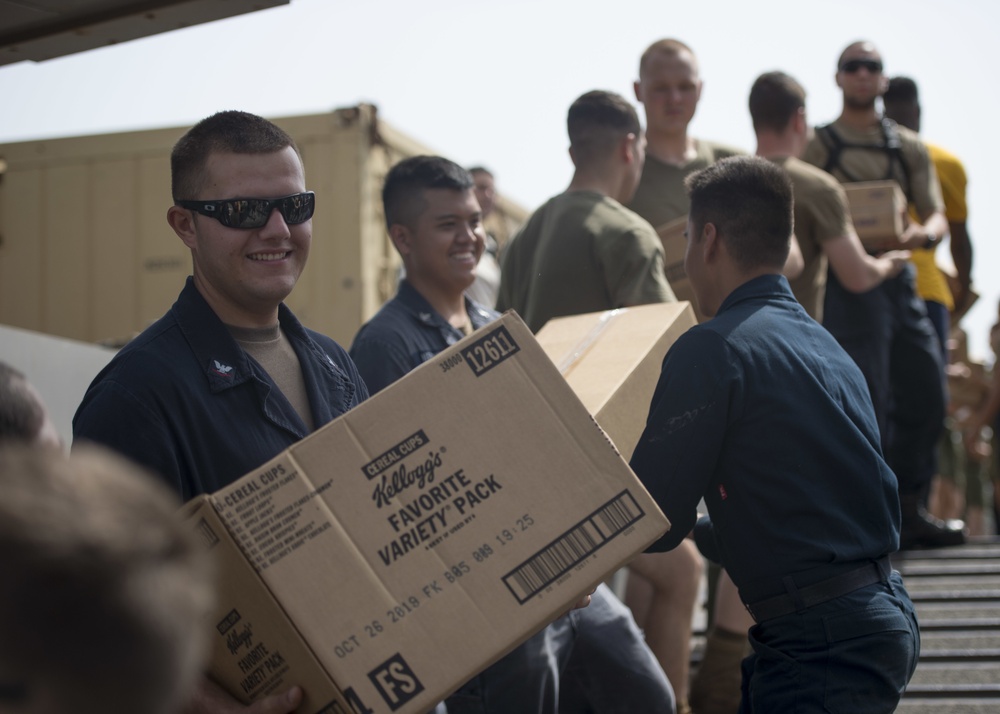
{"points": [[669, 88], [887, 330]]}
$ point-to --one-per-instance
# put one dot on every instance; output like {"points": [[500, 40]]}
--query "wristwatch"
{"points": [[932, 240]]}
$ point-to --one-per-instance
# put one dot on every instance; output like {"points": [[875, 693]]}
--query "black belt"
{"points": [[797, 599]]}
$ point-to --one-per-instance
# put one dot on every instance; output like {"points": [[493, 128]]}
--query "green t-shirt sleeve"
{"points": [[633, 268]]}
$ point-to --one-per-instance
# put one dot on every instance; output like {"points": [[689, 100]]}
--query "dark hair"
{"points": [[901, 90], [230, 131], [775, 98], [480, 170], [21, 414], [667, 46], [597, 121], [749, 200], [403, 192]]}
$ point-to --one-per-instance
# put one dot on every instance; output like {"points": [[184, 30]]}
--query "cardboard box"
{"points": [[878, 209], [612, 360], [672, 236], [415, 540]]}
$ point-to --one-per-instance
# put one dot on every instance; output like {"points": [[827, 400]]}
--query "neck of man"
{"points": [[446, 302], [266, 316], [604, 180], [859, 116], [670, 148], [771, 145]]}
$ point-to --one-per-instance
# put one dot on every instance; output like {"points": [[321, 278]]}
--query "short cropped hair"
{"points": [[480, 170], [597, 121], [901, 90], [225, 132], [853, 45], [21, 414], [403, 191], [749, 200], [775, 98], [105, 595], [668, 46]]}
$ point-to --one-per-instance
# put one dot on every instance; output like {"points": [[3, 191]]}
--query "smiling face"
{"points": [[669, 88], [443, 246], [245, 274]]}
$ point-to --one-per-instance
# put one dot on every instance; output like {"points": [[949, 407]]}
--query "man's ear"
{"points": [[711, 242], [401, 238], [182, 221], [626, 148], [637, 88], [799, 118]]}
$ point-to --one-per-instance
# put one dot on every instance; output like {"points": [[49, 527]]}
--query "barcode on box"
{"points": [[575, 545]]}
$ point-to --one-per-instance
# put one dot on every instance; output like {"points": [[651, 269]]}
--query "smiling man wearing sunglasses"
{"points": [[228, 378]]}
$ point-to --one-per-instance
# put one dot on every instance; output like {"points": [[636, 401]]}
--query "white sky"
{"points": [[489, 82]]}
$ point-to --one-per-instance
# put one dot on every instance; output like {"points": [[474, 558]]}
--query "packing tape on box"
{"points": [[585, 343]]}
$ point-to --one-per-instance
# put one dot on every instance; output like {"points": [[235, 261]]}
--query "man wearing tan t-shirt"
{"points": [[669, 87], [822, 218], [887, 330], [663, 587]]}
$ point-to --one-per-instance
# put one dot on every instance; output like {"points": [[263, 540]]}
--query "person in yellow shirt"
{"points": [[902, 105]]}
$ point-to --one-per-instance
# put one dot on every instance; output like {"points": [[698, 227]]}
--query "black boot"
{"points": [[919, 529]]}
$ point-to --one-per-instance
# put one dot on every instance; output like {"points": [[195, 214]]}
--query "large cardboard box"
{"points": [[612, 360], [878, 209], [672, 236], [416, 539]]}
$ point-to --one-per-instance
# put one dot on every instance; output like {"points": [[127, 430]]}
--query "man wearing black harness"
{"points": [[887, 330], [804, 525]]}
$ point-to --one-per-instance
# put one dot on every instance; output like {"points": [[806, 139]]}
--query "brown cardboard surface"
{"points": [[672, 236], [431, 529], [612, 360], [877, 209], [254, 646]]}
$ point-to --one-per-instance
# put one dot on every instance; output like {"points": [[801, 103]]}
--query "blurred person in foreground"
{"points": [[23, 415], [805, 530], [104, 598]]}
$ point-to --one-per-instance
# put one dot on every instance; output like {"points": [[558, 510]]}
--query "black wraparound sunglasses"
{"points": [[852, 66], [255, 212]]}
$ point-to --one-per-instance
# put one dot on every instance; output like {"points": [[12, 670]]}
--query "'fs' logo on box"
{"points": [[395, 681]]}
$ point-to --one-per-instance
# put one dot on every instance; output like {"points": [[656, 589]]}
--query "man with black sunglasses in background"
{"points": [[887, 330], [228, 378]]}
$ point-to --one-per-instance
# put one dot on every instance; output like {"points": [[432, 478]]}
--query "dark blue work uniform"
{"points": [[761, 413], [594, 658], [405, 333], [185, 400]]}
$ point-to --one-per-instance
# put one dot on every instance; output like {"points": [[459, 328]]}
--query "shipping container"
{"points": [[86, 252]]}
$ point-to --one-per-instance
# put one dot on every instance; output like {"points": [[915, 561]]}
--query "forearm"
{"points": [[961, 253]]}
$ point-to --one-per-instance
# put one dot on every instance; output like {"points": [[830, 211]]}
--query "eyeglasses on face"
{"points": [[255, 212], [852, 66]]}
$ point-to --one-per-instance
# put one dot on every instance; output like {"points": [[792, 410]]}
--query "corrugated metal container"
{"points": [[86, 252]]}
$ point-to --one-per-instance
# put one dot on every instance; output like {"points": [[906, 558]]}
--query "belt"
{"points": [[797, 599]]}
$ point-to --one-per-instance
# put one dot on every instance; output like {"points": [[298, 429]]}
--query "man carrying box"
{"points": [[822, 220], [596, 653], [804, 530], [887, 330], [228, 378]]}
